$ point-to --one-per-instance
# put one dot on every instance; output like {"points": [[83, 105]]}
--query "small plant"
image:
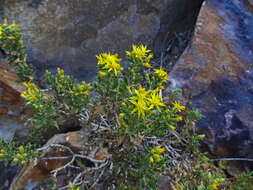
{"points": [[241, 181], [16, 154], [73, 187], [12, 44]]}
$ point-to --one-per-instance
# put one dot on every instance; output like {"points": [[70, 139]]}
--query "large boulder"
{"points": [[11, 104], [216, 74], [69, 33]]}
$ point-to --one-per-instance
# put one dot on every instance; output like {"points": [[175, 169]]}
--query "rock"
{"points": [[68, 34], [11, 104], [39, 172], [216, 74], [6, 175]]}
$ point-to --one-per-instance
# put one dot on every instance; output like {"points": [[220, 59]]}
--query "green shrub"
{"points": [[12, 44]]}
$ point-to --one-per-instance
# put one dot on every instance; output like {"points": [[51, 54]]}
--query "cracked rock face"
{"points": [[216, 74], [68, 34]]}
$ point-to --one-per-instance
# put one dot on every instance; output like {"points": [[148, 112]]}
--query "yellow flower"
{"points": [[147, 65], [178, 107], [113, 66], [110, 62], [5, 21], [161, 74], [155, 101], [101, 74], [180, 118], [21, 148], [141, 94], [59, 84], [157, 157], [140, 107], [23, 162], [31, 97], [15, 160], [47, 72], [24, 155], [202, 136], [157, 149], [151, 159], [60, 71], [139, 53], [172, 127], [213, 186], [121, 114], [160, 150], [1, 154], [20, 42], [123, 104], [12, 37], [86, 92], [70, 92]]}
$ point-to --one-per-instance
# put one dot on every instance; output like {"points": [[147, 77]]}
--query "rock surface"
{"points": [[69, 33], [11, 104], [37, 172], [216, 74]]}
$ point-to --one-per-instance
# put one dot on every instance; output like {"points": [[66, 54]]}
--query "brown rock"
{"points": [[11, 104], [216, 74], [10, 89], [39, 171]]}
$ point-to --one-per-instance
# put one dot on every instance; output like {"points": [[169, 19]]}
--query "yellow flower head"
{"points": [[101, 74], [21, 148], [151, 159], [147, 65], [172, 127], [155, 101], [213, 186], [139, 53], [110, 62], [60, 71], [15, 160], [180, 118], [160, 150], [141, 94], [157, 150], [178, 107], [140, 107], [157, 157], [161, 74]]}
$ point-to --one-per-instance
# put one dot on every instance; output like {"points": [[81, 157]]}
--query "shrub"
{"points": [[12, 45]]}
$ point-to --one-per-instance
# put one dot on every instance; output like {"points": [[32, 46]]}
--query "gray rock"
{"points": [[68, 34]]}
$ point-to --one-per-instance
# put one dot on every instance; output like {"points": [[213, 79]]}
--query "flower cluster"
{"points": [[109, 62], [145, 100], [10, 152], [161, 74], [32, 95], [140, 54], [156, 154], [21, 156], [66, 88]]}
